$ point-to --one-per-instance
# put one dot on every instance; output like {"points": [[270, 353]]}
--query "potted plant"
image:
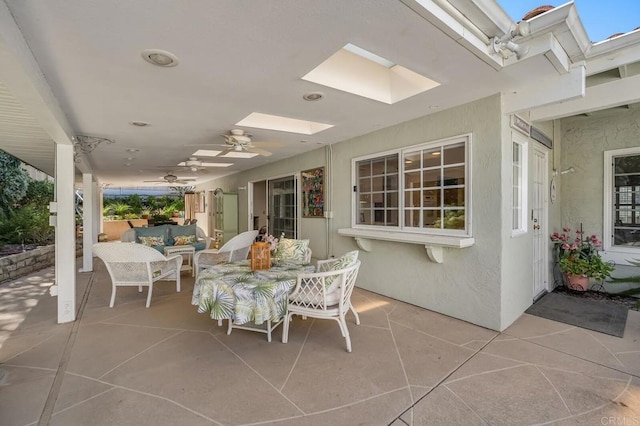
{"points": [[579, 258]]}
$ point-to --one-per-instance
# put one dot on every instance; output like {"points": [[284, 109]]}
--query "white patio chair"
{"points": [[325, 295], [131, 264], [236, 249], [307, 255]]}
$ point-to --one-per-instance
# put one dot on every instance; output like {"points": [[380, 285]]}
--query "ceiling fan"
{"points": [[238, 140], [192, 164], [172, 179]]}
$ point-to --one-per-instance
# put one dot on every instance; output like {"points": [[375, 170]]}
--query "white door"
{"points": [[539, 222]]}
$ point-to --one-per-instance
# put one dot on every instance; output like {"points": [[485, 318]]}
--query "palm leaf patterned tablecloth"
{"points": [[234, 291]]}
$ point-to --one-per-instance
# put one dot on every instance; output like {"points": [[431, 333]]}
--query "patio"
{"points": [[170, 365]]}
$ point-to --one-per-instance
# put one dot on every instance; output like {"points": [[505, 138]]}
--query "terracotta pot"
{"points": [[577, 282]]}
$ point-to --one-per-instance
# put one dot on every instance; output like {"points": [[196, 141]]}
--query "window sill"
{"points": [[434, 244]]}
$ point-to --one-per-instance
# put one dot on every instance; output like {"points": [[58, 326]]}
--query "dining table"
{"points": [[254, 300]]}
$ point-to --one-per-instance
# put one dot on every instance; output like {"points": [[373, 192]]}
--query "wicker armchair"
{"points": [[131, 264], [325, 294], [236, 249]]}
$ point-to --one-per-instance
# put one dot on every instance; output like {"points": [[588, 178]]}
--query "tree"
{"points": [[13, 182], [39, 193]]}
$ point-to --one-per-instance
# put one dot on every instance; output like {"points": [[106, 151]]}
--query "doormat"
{"points": [[602, 316]]}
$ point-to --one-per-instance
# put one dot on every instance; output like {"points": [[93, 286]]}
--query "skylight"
{"points": [[206, 153], [283, 124], [363, 73], [183, 164]]}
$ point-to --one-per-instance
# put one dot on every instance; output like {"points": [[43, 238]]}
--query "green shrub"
{"points": [[27, 225]]}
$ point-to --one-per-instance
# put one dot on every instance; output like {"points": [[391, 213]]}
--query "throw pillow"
{"points": [[183, 240], [342, 262], [291, 249], [151, 241], [153, 231], [178, 231]]}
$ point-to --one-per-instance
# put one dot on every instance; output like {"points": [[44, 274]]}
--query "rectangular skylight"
{"points": [[368, 55], [206, 153], [283, 124], [357, 71], [208, 164]]}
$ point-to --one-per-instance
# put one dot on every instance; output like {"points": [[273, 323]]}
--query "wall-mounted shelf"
{"points": [[434, 244]]}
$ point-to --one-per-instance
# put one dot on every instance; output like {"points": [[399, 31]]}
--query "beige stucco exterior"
{"points": [[473, 284]]}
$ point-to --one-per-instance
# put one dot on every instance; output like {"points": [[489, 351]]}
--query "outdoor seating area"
{"points": [[169, 365]]}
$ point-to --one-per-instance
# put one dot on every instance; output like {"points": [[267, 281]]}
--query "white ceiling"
{"points": [[236, 57]]}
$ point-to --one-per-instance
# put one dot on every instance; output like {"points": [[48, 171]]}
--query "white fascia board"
{"points": [[441, 19], [613, 58], [22, 76], [547, 91], [610, 46], [494, 13], [566, 26], [549, 46], [609, 95]]}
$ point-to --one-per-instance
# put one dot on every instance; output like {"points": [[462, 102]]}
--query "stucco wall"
{"points": [[467, 284], [584, 140]]}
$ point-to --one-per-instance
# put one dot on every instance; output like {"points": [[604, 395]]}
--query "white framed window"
{"points": [[519, 172], [419, 189], [621, 233]]}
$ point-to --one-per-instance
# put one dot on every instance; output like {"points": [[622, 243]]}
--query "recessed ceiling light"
{"points": [[139, 123], [127, 164], [434, 106], [161, 58], [131, 158], [132, 150], [312, 96]]}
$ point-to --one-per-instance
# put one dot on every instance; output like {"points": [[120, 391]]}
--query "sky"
{"points": [[601, 18]]}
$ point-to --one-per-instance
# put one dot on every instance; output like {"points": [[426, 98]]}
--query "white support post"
{"points": [[65, 234], [87, 222], [99, 209]]}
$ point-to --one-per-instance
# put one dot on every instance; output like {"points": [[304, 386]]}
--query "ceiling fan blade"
{"points": [[225, 152], [267, 144], [262, 152]]}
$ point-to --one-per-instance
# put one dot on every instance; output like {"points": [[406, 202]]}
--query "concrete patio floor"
{"points": [[169, 365]]}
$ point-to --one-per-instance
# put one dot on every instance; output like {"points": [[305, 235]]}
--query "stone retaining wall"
{"points": [[17, 265]]}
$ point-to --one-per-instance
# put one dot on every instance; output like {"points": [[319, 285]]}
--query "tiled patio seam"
{"points": [[444, 379], [47, 411], [528, 340]]}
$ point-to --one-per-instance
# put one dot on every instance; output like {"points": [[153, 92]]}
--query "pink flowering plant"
{"points": [[580, 255], [272, 241]]}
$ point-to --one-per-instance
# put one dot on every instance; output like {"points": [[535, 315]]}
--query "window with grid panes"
{"points": [[377, 191], [434, 182], [626, 200]]}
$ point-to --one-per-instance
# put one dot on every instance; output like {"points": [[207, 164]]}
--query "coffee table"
{"points": [[186, 250]]}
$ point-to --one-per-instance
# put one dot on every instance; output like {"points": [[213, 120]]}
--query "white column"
{"points": [[99, 220], [97, 211], [65, 234], [87, 222]]}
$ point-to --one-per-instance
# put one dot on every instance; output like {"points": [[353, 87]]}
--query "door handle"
{"points": [[536, 226]]}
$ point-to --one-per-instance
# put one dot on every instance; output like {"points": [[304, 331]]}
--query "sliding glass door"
{"points": [[282, 200]]}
